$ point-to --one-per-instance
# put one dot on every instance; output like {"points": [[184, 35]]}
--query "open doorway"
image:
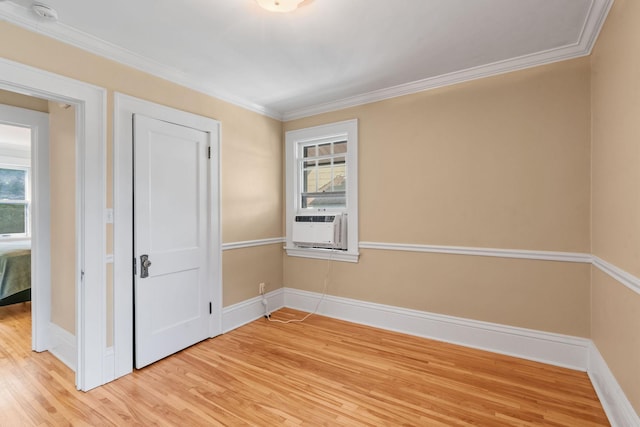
{"points": [[16, 337], [92, 356], [37, 238], [24, 212]]}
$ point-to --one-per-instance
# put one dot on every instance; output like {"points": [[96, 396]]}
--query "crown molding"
{"points": [[598, 11], [23, 17]]}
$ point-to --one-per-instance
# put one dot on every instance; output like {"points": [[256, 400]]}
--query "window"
{"points": [[324, 175], [321, 179], [14, 201]]}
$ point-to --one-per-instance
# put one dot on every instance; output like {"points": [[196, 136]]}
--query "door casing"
{"points": [[124, 108], [93, 358]]}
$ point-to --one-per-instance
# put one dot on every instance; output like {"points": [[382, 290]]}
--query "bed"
{"points": [[15, 275]]}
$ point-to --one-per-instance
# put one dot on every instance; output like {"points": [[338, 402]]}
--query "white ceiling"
{"points": [[328, 54]]}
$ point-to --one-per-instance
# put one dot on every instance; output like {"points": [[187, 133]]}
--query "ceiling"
{"points": [[326, 55]]}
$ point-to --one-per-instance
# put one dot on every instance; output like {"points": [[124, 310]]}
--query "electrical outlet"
{"points": [[261, 288]]}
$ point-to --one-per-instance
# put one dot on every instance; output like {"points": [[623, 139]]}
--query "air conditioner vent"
{"points": [[320, 231]]}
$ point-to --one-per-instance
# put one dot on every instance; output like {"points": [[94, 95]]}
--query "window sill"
{"points": [[10, 238], [322, 254]]}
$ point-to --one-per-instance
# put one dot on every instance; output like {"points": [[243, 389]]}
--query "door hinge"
{"points": [[210, 309], [135, 269], [209, 152]]}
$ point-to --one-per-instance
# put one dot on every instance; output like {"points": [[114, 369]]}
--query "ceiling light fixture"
{"points": [[279, 5]]}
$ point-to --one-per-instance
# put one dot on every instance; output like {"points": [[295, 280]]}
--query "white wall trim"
{"points": [[23, 17], [247, 311], [63, 346], [546, 347], [252, 243], [614, 401], [491, 252], [593, 24], [627, 279]]}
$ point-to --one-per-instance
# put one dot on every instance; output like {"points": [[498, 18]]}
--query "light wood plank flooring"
{"points": [[321, 372]]}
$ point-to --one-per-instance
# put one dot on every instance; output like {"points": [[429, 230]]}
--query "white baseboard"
{"points": [[614, 401], [63, 345], [555, 349], [247, 311]]}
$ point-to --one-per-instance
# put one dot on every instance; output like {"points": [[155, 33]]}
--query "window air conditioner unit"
{"points": [[320, 231]]}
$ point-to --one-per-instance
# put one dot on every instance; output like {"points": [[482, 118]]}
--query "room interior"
{"points": [[15, 160], [500, 205], [58, 246]]}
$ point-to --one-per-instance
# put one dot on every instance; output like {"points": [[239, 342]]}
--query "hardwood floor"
{"points": [[321, 372]]}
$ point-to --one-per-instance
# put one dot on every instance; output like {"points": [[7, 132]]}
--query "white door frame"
{"points": [[40, 216], [90, 104], [124, 108]]}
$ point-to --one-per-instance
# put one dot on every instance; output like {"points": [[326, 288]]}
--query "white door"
{"points": [[172, 303]]}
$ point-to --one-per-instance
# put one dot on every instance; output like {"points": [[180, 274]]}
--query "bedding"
{"points": [[15, 276]]}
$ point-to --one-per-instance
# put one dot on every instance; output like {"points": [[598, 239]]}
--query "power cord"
{"points": [[327, 278]]}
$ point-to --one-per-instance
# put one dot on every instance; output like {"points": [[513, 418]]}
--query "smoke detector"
{"points": [[45, 12]]}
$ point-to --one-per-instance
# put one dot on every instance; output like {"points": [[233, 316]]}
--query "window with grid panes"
{"points": [[323, 168], [321, 179]]}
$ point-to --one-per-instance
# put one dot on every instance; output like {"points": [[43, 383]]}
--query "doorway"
{"points": [[125, 109], [25, 241], [90, 281]]}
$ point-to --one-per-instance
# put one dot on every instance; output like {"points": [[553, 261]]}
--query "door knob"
{"points": [[145, 263]]}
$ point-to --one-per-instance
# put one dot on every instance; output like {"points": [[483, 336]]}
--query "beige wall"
{"points": [[63, 233], [24, 101], [615, 320], [245, 269], [547, 296], [616, 201], [502, 162], [251, 143]]}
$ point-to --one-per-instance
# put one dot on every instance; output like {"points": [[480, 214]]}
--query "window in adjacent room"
{"points": [[322, 172], [14, 201]]}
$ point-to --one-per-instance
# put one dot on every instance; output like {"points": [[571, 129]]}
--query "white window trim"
{"points": [[349, 130]]}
